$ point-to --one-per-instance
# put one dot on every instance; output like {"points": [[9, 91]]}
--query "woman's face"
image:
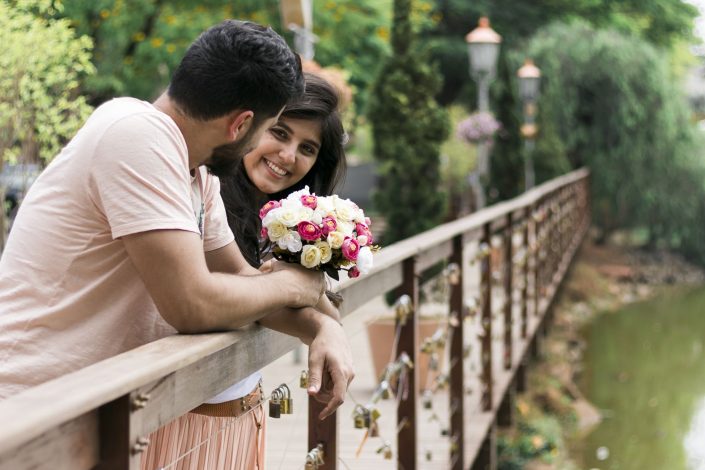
{"points": [[285, 154]]}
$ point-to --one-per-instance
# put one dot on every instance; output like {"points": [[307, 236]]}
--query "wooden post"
{"points": [[457, 382], [487, 456], [537, 259], [505, 413], [525, 274], [406, 411], [508, 291], [323, 432], [116, 449], [486, 351]]}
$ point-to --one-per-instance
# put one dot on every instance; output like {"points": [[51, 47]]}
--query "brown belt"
{"points": [[232, 408]]}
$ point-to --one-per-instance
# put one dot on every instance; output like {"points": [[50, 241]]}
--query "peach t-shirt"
{"points": [[69, 294]]}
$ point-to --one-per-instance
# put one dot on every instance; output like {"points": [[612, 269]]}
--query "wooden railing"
{"points": [[98, 417]]}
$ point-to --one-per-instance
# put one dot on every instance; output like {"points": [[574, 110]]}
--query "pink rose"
{"points": [[353, 272], [350, 248], [268, 207], [309, 231], [309, 200], [263, 233], [328, 225], [368, 221], [363, 230]]}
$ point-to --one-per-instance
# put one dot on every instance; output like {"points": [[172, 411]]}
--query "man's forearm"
{"points": [[304, 323]]}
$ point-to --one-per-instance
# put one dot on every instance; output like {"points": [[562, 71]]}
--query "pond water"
{"points": [[645, 370]]}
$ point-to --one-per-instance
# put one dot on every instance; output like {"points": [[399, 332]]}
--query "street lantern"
{"points": [[297, 16], [529, 81], [529, 88], [483, 50]]}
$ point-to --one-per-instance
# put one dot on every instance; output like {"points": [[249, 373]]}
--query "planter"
{"points": [[380, 334]]}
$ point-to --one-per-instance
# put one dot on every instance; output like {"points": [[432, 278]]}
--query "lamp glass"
{"points": [[483, 57], [529, 88]]}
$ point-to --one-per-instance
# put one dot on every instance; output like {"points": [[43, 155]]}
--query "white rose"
{"points": [[362, 240], [276, 230], [325, 206], [364, 260], [359, 216], [310, 256], [305, 213], [271, 216], [289, 213], [317, 217], [326, 252], [296, 195], [344, 209], [290, 242], [346, 227], [336, 239]]}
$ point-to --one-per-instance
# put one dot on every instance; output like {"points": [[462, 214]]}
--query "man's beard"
{"points": [[226, 158]]}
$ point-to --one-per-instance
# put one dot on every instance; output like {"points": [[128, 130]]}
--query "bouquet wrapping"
{"points": [[327, 233]]}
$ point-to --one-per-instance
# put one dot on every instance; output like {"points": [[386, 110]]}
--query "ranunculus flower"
{"points": [[362, 229], [328, 225], [346, 227], [276, 230], [336, 239], [364, 260], [326, 252], [310, 256], [268, 207], [309, 200], [344, 209], [362, 240], [368, 221], [350, 248], [309, 231], [353, 272], [263, 233]]}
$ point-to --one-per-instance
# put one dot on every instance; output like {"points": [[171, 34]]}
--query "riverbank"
{"points": [[554, 411]]}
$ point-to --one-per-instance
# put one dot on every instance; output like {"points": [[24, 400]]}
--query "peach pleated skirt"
{"points": [[198, 442]]}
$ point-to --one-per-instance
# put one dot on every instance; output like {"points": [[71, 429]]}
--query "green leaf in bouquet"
{"points": [[331, 271]]}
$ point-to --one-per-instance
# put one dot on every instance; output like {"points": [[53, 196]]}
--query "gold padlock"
{"points": [[287, 403], [427, 400], [359, 417], [388, 453], [275, 404], [384, 387], [303, 380], [374, 413]]}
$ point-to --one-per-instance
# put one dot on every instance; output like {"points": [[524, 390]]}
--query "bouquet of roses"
{"points": [[326, 233]]}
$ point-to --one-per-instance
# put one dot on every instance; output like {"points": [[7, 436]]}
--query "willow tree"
{"points": [[408, 128]]}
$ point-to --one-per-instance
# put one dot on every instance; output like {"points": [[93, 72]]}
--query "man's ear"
{"points": [[239, 123]]}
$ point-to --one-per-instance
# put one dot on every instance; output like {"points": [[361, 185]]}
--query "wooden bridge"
{"points": [[502, 267]]}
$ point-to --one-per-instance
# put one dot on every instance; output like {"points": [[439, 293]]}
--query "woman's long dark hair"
{"points": [[243, 200]]}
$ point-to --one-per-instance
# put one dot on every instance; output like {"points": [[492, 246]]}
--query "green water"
{"points": [[645, 369]]}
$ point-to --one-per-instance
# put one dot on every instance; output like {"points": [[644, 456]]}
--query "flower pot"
{"points": [[380, 334]]}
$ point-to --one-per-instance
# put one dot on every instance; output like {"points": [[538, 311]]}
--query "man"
{"points": [[107, 251]]}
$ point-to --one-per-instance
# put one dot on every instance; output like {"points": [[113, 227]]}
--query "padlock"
{"points": [[387, 453], [429, 455], [303, 380], [427, 400], [445, 432], [359, 417], [384, 387], [287, 403], [433, 362], [275, 404], [374, 413]]}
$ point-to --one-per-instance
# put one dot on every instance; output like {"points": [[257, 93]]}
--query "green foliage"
{"points": [[538, 438], [610, 102], [408, 129], [43, 62]]}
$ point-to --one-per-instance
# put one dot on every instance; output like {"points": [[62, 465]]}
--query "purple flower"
{"points": [[478, 127]]}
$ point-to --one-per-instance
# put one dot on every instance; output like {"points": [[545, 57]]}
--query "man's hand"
{"points": [[330, 366]]}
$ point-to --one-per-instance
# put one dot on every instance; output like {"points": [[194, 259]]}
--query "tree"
{"points": [[612, 104], [408, 129], [40, 104]]}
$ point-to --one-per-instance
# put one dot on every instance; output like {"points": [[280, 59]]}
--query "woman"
{"points": [[305, 147]]}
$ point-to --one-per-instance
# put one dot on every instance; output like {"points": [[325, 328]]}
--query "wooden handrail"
{"points": [[182, 371]]}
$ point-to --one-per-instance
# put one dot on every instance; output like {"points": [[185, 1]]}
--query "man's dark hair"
{"points": [[236, 65]]}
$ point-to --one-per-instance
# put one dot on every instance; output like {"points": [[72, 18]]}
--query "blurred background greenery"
{"points": [[614, 95]]}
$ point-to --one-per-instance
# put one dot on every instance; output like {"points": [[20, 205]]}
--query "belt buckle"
{"points": [[257, 395]]}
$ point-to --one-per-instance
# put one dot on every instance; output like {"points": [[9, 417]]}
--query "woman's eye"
{"points": [[279, 133], [308, 150]]}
